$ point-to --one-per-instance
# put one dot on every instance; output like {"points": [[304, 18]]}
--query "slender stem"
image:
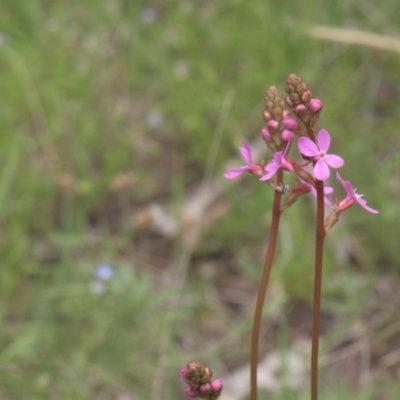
{"points": [[319, 250], [276, 213]]}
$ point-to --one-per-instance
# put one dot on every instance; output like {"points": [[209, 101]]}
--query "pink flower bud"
{"points": [[288, 101], [306, 97], [300, 109], [192, 392], [265, 134], [273, 125], [216, 386], [267, 116], [287, 135], [316, 105], [205, 388], [285, 113], [291, 123]]}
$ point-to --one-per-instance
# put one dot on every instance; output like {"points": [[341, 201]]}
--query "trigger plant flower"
{"points": [[280, 161], [317, 152], [352, 197], [250, 167]]}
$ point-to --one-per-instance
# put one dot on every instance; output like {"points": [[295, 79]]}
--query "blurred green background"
{"points": [[108, 106]]}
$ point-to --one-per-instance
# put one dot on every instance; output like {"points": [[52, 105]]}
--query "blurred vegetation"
{"points": [[109, 105]]}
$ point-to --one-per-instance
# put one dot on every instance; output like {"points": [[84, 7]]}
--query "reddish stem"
{"points": [[276, 213], [319, 250]]}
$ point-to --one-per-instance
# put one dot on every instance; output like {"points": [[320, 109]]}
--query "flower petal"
{"points": [[307, 147], [235, 172], [278, 158], [246, 152], [323, 140], [321, 170], [328, 189], [271, 169], [348, 187], [363, 204], [334, 161]]}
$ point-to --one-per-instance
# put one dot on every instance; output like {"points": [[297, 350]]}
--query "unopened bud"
{"points": [[291, 123], [289, 102], [205, 388], [192, 392], [198, 378], [265, 134], [287, 135], [266, 116], [274, 104], [273, 125], [306, 97], [316, 105], [302, 112], [216, 385], [295, 98]]}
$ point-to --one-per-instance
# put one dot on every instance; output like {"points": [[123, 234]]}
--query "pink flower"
{"points": [[318, 153], [352, 197], [251, 167], [279, 161]]}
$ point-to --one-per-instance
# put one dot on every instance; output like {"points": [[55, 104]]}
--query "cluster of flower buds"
{"points": [[286, 120], [198, 378], [299, 99]]}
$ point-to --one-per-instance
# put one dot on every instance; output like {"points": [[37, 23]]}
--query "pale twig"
{"points": [[353, 36]]}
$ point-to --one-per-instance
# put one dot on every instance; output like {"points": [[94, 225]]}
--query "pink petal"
{"points": [[334, 161], [271, 169], [363, 204], [235, 172], [278, 158], [307, 147], [246, 152], [328, 189], [348, 187], [321, 170], [339, 178], [323, 140]]}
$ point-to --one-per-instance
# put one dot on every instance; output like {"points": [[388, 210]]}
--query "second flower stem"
{"points": [[276, 213], [319, 252]]}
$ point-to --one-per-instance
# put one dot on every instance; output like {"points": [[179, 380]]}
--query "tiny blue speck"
{"points": [[104, 272]]}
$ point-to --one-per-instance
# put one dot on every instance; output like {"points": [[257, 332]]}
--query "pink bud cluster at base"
{"points": [[198, 378]]}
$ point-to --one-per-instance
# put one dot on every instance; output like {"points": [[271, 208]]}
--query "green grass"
{"points": [[81, 83]]}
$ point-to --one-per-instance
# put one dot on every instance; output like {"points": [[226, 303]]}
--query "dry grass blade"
{"points": [[353, 36]]}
